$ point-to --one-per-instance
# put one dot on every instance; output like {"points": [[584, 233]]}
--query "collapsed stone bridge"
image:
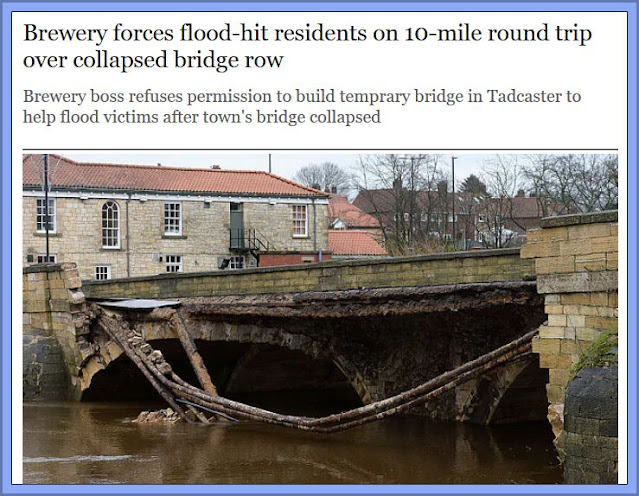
{"points": [[333, 335]]}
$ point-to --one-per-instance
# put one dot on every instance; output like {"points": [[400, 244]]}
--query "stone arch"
{"points": [[211, 331], [480, 400]]}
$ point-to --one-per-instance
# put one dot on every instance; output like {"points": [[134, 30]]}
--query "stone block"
{"points": [[77, 297], [612, 261], [534, 235], [577, 247], [604, 323], [582, 282], [588, 231], [609, 244], [73, 283], [613, 299], [576, 320], [554, 361], [555, 265], [37, 277], [554, 309], [570, 347], [60, 305], [557, 320], [555, 393], [594, 261], [547, 345], [587, 333], [559, 377], [542, 249], [56, 284], [551, 332], [35, 306], [576, 299]]}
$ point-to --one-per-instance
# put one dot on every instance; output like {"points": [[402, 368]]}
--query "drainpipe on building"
{"points": [[128, 251], [45, 186], [314, 227]]}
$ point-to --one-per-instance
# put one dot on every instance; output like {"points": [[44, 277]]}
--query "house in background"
{"points": [[504, 221], [353, 244], [430, 220], [354, 233], [344, 215], [421, 218], [131, 220]]}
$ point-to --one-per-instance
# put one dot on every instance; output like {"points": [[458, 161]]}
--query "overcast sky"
{"points": [[285, 165]]}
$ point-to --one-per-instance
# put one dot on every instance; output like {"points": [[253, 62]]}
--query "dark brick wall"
{"points": [[590, 428], [44, 371]]}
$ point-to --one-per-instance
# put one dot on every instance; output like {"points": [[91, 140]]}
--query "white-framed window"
{"points": [[174, 263], [41, 215], [237, 262], [172, 218], [450, 217], [42, 258], [406, 216], [102, 272], [110, 225], [482, 217], [300, 221]]}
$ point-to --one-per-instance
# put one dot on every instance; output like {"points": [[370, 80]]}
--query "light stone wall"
{"points": [[576, 264], [275, 222], [205, 234]]}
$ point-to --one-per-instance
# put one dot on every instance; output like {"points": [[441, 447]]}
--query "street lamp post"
{"points": [[453, 158]]}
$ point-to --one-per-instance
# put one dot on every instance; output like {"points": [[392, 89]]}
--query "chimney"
{"points": [[215, 167], [334, 190], [327, 190], [521, 193], [316, 186], [442, 188], [398, 184], [159, 164]]}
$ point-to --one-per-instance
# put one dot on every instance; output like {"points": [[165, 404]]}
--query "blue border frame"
{"points": [[293, 5]]}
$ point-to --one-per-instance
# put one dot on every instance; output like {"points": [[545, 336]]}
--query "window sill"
{"points": [[300, 236], [110, 248], [42, 234], [174, 236]]}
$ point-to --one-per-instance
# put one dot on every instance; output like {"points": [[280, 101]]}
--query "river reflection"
{"points": [[95, 443]]}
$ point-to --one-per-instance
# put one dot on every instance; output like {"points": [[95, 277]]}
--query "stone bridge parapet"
{"points": [[576, 265], [444, 268]]}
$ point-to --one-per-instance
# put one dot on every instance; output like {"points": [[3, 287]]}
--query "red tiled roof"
{"points": [[531, 207], [66, 173], [353, 243], [340, 208]]}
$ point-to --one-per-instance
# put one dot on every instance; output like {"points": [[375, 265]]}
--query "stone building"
{"points": [[130, 220]]}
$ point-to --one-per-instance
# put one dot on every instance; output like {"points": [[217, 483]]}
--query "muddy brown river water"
{"points": [[96, 443]]}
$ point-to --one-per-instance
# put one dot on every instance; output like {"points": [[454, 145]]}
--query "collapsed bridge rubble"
{"points": [[194, 404]]}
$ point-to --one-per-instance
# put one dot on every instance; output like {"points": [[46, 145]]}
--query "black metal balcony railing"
{"points": [[247, 239]]}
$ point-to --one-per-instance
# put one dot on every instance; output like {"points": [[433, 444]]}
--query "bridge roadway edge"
{"points": [[446, 268]]}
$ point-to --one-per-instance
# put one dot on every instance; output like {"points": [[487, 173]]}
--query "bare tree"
{"points": [[398, 191], [503, 178], [325, 176], [578, 183]]}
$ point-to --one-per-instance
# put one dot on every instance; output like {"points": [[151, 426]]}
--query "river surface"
{"points": [[96, 443]]}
